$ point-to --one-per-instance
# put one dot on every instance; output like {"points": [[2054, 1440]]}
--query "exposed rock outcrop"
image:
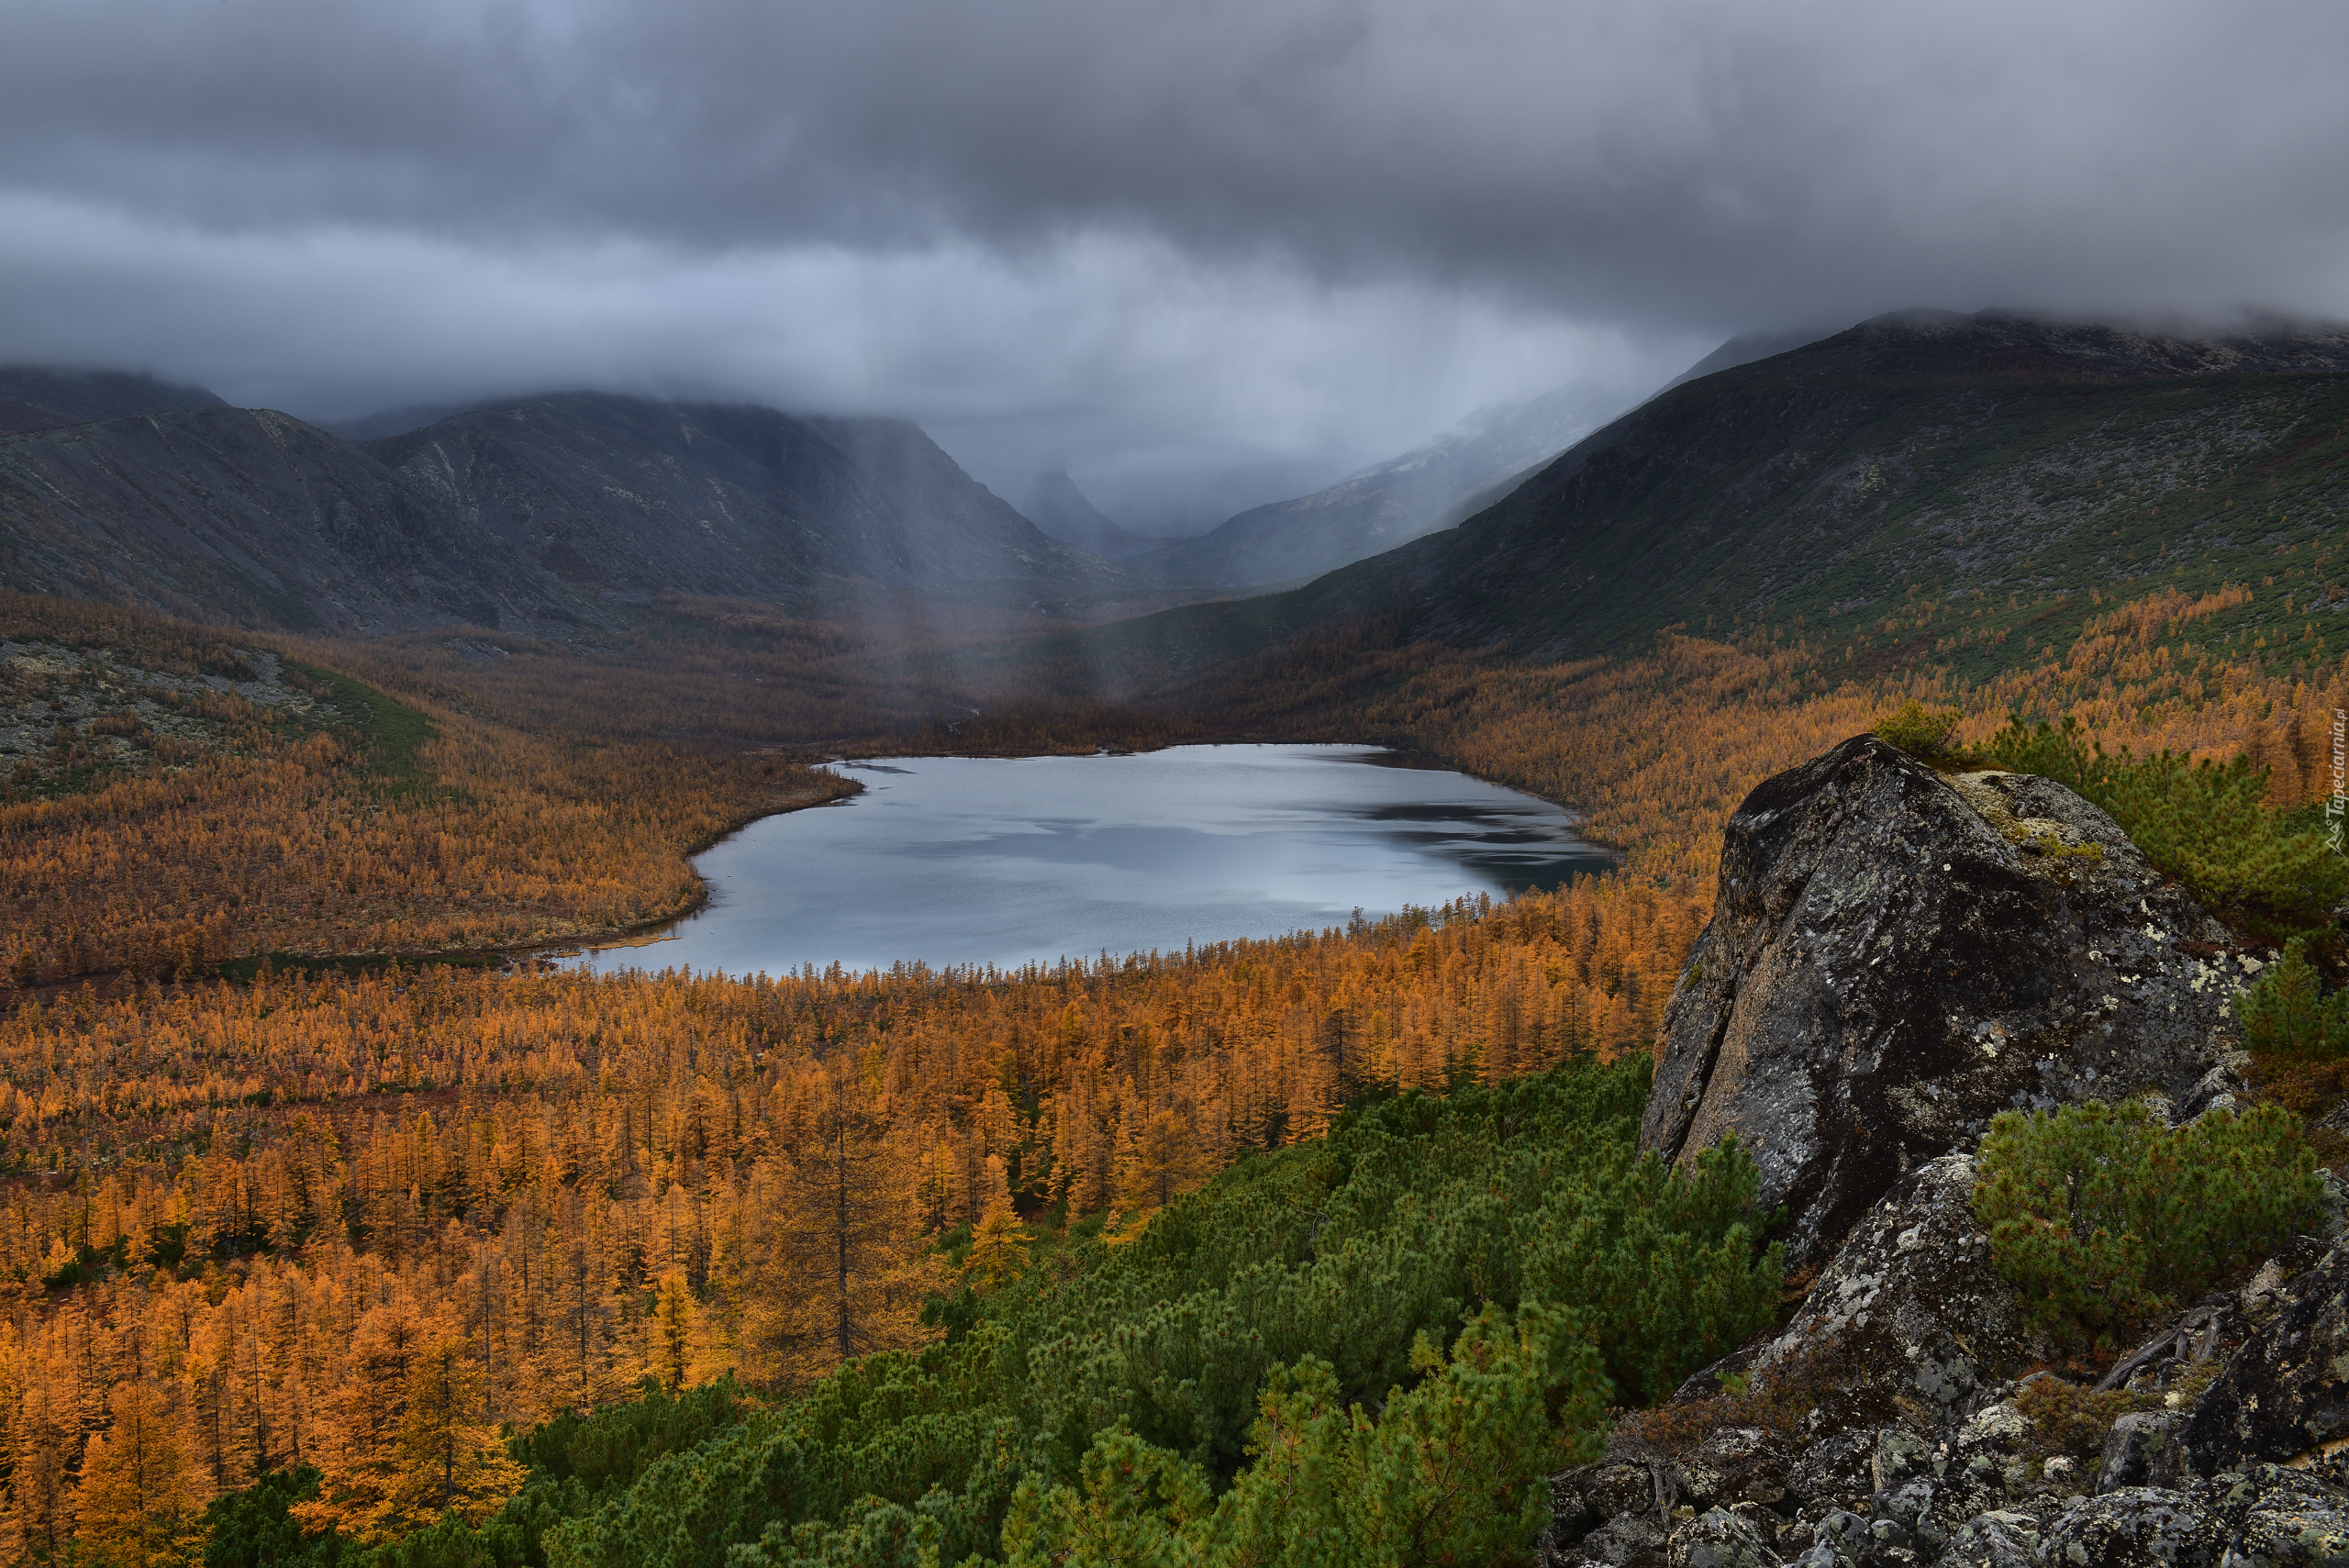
{"points": [[1910, 1457], [2271, 1516], [1894, 957], [1909, 1314], [2285, 1392], [1899, 956]]}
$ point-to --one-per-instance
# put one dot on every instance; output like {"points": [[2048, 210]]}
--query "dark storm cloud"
{"points": [[1059, 221], [1727, 159]]}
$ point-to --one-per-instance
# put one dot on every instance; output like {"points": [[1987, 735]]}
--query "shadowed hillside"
{"points": [[250, 518], [1981, 461], [626, 497], [542, 516]]}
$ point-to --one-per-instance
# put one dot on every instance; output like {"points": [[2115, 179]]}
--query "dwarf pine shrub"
{"points": [[2102, 1215], [2207, 824], [1369, 1350], [2286, 1012], [1928, 734]]}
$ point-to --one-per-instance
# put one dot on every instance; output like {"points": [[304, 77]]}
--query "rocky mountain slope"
{"points": [[626, 497], [1896, 957], [70, 715], [536, 515], [252, 517], [1985, 455], [1428, 489], [1982, 460]]}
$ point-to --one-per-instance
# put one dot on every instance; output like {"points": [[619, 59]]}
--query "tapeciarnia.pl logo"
{"points": [[2335, 805]]}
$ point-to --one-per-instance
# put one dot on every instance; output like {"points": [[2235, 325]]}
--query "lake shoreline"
{"points": [[1236, 838]]}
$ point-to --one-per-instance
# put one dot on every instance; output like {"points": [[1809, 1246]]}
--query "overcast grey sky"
{"points": [[1204, 251]]}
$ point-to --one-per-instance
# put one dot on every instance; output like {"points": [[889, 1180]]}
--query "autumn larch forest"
{"points": [[298, 1187]]}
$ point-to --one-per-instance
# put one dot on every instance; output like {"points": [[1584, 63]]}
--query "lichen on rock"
{"points": [[1910, 1313], [2285, 1393]]}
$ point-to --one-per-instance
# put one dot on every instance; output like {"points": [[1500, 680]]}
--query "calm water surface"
{"points": [[962, 861]]}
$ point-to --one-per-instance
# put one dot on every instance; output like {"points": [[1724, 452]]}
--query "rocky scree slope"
{"points": [[1857, 1013], [68, 714]]}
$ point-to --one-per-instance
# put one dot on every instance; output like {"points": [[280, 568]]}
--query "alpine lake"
{"points": [[978, 862]]}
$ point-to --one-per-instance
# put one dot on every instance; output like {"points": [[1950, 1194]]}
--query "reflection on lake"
{"points": [[969, 860]]}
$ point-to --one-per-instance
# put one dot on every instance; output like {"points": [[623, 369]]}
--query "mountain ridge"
{"points": [[625, 494], [44, 398], [535, 514], [1977, 456], [1431, 487]]}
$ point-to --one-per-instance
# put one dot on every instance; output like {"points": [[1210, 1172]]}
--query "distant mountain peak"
{"points": [[1056, 505], [1429, 488]]}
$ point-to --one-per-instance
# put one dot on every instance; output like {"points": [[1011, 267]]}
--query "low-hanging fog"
{"points": [[1201, 255]]}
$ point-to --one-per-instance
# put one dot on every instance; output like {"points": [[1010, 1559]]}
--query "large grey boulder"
{"points": [[1999, 1537], [1899, 956], [2131, 1446], [2275, 1515], [1908, 1332], [2137, 1526], [1895, 956], [1725, 1538]]}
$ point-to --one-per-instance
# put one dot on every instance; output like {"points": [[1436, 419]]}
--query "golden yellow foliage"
{"points": [[483, 838], [242, 1207]]}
